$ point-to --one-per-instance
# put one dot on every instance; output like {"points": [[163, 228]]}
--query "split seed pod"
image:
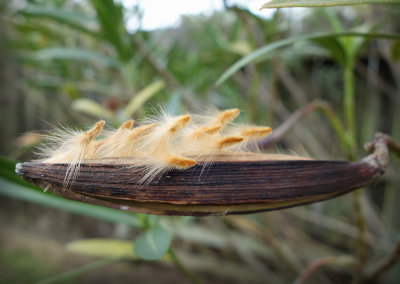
{"points": [[152, 169]]}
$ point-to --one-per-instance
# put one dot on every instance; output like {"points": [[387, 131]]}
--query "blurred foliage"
{"points": [[319, 3], [75, 61]]}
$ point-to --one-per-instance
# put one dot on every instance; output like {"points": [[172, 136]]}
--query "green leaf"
{"points": [[73, 19], [102, 248], [79, 54], [152, 244], [322, 3], [140, 98], [92, 108], [263, 51], [110, 17], [67, 277], [15, 190], [240, 47], [174, 102], [395, 51], [7, 171], [334, 47]]}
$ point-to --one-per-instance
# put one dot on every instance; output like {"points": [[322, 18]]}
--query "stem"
{"points": [[182, 267], [144, 221], [349, 118], [78, 271], [348, 108], [360, 223], [335, 122], [341, 261], [385, 265]]}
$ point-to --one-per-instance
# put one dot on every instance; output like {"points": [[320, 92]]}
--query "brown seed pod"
{"points": [[232, 184], [166, 176]]}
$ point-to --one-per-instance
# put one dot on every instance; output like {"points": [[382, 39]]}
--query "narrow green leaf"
{"points": [[263, 51], [111, 19], [323, 3], [144, 95], [92, 108], [79, 54], [7, 171], [73, 19], [334, 47], [28, 27], [395, 51], [152, 244], [17, 191], [240, 47], [102, 248], [66, 277], [174, 102]]}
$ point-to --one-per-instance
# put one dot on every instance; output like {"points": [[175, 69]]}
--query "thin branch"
{"points": [[280, 131], [69, 275], [248, 225], [343, 261], [385, 265], [361, 238], [192, 277], [386, 139]]}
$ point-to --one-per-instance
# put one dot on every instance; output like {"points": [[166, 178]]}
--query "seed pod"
{"points": [[238, 183], [174, 166]]}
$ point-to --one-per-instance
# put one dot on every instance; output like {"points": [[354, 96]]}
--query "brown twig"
{"points": [[312, 267], [248, 225], [188, 274], [381, 145], [385, 265], [280, 131], [361, 239], [381, 138]]}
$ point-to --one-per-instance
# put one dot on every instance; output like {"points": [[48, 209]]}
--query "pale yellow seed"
{"points": [[211, 129], [227, 116], [126, 125], [141, 131], [201, 132], [180, 162], [255, 131], [89, 135], [229, 141], [179, 123]]}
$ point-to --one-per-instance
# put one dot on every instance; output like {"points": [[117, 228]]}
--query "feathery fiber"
{"points": [[162, 143]]}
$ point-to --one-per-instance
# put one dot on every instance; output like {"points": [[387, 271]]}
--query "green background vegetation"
{"points": [[74, 62]]}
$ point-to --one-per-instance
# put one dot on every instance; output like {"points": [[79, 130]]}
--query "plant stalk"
{"points": [[349, 121], [349, 108], [193, 278]]}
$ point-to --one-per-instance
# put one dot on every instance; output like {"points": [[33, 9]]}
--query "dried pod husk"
{"points": [[235, 183]]}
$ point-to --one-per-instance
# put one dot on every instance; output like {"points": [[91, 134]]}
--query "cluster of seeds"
{"points": [[162, 143]]}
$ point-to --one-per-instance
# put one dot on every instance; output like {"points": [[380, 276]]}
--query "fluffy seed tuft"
{"points": [[163, 143]]}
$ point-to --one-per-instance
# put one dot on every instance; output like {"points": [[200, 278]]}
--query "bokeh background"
{"points": [[74, 62]]}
